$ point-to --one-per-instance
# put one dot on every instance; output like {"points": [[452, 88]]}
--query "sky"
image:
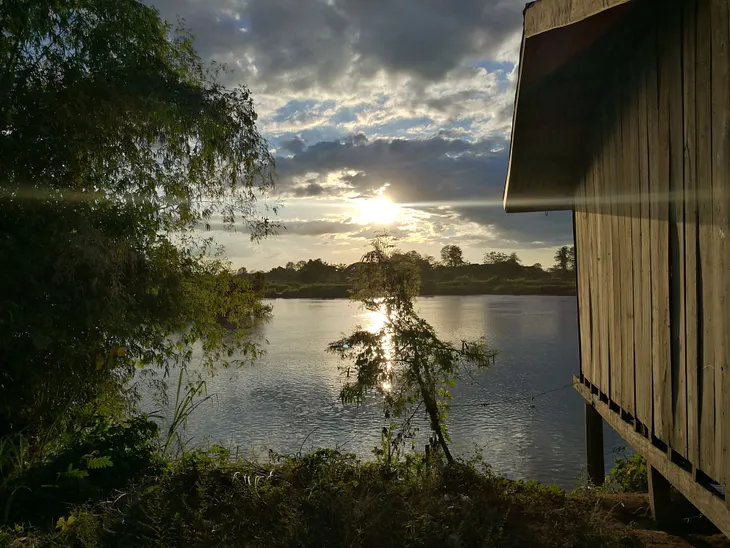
{"points": [[383, 115]]}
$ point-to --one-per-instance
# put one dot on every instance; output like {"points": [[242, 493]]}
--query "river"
{"points": [[288, 401]]}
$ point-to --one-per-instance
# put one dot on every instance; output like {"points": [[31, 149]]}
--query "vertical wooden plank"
{"points": [[673, 83], [592, 280], [614, 180], [596, 296], [583, 258], [706, 254], [690, 228], [599, 306], [635, 227], [644, 389], [604, 205], [658, 115], [626, 249], [720, 174]]}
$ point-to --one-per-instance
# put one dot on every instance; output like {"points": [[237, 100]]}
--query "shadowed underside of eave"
{"points": [[566, 45]]}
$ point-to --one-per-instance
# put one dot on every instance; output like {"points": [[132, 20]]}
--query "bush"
{"points": [[629, 473], [104, 457], [328, 498]]}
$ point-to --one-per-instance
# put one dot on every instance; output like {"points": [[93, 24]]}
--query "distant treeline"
{"points": [[499, 274]]}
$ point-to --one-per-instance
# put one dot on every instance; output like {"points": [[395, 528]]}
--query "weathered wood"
{"points": [[644, 384], [615, 183], [710, 505], [658, 119], [594, 281], [660, 498], [580, 225], [690, 228], [594, 446], [630, 187], [608, 197], [551, 14], [635, 227], [673, 83], [706, 253], [720, 174], [603, 262]]}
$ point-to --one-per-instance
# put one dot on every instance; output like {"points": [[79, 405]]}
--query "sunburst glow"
{"points": [[378, 210]]}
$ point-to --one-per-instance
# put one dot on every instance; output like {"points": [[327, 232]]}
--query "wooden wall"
{"points": [[652, 233]]}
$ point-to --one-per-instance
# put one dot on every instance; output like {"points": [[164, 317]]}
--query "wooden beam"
{"points": [[546, 15], [660, 498], [710, 505], [594, 446]]}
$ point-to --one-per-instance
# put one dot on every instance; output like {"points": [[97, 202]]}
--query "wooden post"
{"points": [[594, 445], [659, 498]]}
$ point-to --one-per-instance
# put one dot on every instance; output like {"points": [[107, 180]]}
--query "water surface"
{"points": [[288, 402]]}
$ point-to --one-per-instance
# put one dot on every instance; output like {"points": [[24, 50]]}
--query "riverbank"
{"points": [[327, 498], [556, 287]]}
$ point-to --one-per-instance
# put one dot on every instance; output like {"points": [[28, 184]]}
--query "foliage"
{"points": [[629, 473], [503, 275], [188, 397], [404, 359], [565, 259], [88, 466], [452, 255], [116, 142], [331, 499]]}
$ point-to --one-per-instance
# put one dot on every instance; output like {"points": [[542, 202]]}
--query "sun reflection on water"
{"points": [[376, 322]]}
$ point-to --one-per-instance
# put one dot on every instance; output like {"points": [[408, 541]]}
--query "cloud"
{"points": [[452, 179], [310, 190], [320, 227], [303, 43]]}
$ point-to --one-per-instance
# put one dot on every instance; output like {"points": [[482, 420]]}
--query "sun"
{"points": [[378, 210]]}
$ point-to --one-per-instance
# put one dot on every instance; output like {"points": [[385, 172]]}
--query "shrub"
{"points": [[628, 473]]}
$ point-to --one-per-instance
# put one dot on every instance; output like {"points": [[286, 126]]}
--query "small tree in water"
{"points": [[404, 359]]}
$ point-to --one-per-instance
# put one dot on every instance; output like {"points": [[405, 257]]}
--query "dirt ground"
{"points": [[693, 532]]}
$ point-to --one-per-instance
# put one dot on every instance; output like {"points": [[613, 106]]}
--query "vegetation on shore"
{"points": [[499, 274], [322, 499]]}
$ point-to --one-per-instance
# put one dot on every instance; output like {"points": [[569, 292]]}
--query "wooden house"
{"points": [[622, 115]]}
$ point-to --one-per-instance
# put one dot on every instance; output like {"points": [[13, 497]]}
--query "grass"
{"points": [[552, 286], [329, 499]]}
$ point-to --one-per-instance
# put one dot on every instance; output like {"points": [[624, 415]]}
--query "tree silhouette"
{"points": [[451, 255]]}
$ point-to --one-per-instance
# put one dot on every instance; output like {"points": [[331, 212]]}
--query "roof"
{"points": [[560, 75]]}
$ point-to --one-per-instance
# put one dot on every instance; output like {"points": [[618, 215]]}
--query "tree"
{"points": [[537, 266], [404, 359], [451, 255], [565, 259], [116, 141], [514, 259], [495, 257], [290, 266]]}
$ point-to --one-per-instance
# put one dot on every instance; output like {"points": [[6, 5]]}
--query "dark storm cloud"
{"points": [[294, 145], [319, 227], [428, 37], [466, 177], [310, 190], [302, 43]]}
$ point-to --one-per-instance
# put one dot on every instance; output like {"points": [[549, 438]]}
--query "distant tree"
{"points": [[564, 259], [290, 266], [514, 259], [495, 257], [537, 266], [571, 258], [451, 255], [404, 359], [241, 271]]}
